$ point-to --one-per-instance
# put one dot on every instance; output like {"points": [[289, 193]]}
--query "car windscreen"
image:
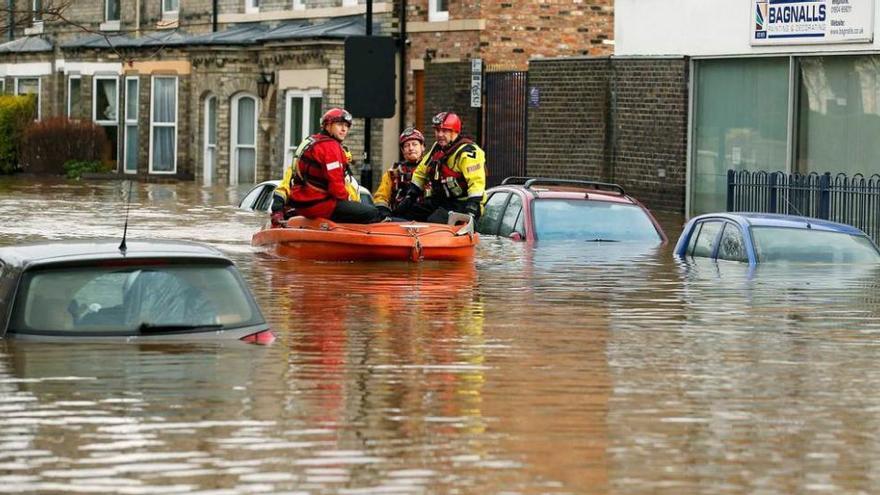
{"points": [[557, 219], [811, 246], [132, 300]]}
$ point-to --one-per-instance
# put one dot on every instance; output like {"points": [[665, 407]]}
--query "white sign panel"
{"points": [[476, 82], [812, 21]]}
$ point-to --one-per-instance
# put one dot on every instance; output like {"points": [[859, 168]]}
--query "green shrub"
{"points": [[48, 144], [74, 169], [16, 112]]}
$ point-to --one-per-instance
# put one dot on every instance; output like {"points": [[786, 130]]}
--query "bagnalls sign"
{"points": [[812, 21]]}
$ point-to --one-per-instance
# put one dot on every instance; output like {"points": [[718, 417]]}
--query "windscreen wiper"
{"points": [[599, 239], [154, 328]]}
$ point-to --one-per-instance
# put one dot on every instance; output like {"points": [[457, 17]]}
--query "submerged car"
{"points": [[764, 237], [259, 198], [141, 290], [542, 209]]}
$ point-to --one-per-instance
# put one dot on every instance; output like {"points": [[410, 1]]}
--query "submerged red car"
{"points": [[543, 209]]}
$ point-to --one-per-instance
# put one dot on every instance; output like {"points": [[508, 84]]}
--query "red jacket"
{"points": [[322, 166]]}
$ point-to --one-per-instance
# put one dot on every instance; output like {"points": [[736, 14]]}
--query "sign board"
{"points": [[777, 22], [534, 96], [476, 82]]}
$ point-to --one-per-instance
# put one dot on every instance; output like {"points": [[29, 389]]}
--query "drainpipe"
{"points": [[10, 7], [402, 23], [215, 9], [367, 170], [137, 17]]}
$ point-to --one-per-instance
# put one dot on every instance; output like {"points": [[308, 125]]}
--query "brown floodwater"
{"points": [[555, 369]]}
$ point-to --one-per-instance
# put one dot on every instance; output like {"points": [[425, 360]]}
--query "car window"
{"points": [[704, 245], [731, 246], [582, 219], [492, 212], [511, 216], [123, 301], [258, 198], [774, 244]]}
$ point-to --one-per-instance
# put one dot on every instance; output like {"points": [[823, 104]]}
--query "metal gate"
{"points": [[506, 116]]}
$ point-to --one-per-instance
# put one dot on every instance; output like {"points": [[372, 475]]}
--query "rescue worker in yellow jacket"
{"points": [[455, 168], [395, 182]]}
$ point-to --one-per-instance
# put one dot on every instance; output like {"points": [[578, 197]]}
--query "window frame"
{"points": [[436, 15], [168, 13], [233, 135], [70, 79], [698, 231], [308, 96], [107, 11], [251, 6], [104, 77], [518, 221], [130, 122], [39, 92], [154, 124], [505, 202]]}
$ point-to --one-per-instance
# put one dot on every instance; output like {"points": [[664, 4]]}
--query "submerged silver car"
{"points": [[146, 290]]}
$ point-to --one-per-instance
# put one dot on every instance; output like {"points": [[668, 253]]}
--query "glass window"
{"points": [[741, 121], [251, 6], [302, 119], [839, 115], [511, 216], [244, 145], [170, 6], [569, 219], [133, 300], [131, 124], [74, 97], [163, 125], [731, 247], [492, 212], [29, 86], [812, 246], [210, 152], [704, 245], [438, 10], [111, 10], [37, 10], [105, 107]]}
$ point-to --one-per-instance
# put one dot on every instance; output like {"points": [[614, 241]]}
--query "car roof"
{"points": [[553, 188], [95, 249], [782, 220]]}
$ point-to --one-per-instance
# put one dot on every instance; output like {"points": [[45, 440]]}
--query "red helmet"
{"points": [[336, 115], [447, 120], [411, 133]]}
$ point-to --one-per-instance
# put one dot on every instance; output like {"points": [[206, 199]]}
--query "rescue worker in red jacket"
{"points": [[455, 168], [315, 184], [395, 182]]}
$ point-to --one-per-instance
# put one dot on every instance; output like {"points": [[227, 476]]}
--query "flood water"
{"points": [[558, 369]]}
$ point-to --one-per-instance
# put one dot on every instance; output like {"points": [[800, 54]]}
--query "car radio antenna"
{"points": [[122, 246]]}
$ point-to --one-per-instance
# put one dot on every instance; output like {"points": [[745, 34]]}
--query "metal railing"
{"points": [[852, 200]]}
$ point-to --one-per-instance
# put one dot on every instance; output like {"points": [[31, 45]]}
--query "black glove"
{"points": [[408, 201], [384, 211], [472, 207]]}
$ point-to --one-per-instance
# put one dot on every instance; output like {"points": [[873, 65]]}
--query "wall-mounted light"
{"points": [[264, 80]]}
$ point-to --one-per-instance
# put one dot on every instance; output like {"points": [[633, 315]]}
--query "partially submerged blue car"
{"points": [[145, 290], [763, 238]]}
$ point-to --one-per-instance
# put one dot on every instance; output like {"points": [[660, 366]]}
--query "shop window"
{"points": [[302, 119], [74, 97], [131, 125], [740, 122], [163, 125], [244, 140], [29, 86], [839, 115], [105, 108], [438, 10]]}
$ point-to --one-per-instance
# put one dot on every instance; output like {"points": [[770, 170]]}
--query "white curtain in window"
{"points": [[164, 123], [105, 100], [246, 140]]}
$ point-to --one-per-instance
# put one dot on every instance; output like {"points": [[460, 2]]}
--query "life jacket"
{"points": [[450, 182], [401, 177], [309, 172]]}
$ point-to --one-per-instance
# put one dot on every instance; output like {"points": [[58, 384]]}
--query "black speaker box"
{"points": [[369, 76]]}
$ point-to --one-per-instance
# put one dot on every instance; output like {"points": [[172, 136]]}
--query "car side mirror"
{"points": [[516, 236]]}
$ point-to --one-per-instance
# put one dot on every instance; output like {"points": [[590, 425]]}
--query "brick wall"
{"points": [[447, 88], [619, 120], [567, 129], [649, 115]]}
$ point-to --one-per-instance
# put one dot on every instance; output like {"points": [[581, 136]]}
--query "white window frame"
{"points": [[2, 85], [299, 5], [251, 6], [70, 92], [39, 92], [233, 136], [349, 3], [208, 178], [107, 10], [37, 11], [290, 147], [95, 80], [130, 121], [154, 124], [170, 14], [435, 15]]}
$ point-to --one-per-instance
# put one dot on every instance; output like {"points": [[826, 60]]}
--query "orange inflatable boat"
{"points": [[323, 240]]}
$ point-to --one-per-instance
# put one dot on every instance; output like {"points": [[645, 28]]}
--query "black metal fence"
{"points": [[506, 117], [852, 200]]}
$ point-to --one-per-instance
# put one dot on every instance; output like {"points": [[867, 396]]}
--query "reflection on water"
{"points": [[558, 368]]}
